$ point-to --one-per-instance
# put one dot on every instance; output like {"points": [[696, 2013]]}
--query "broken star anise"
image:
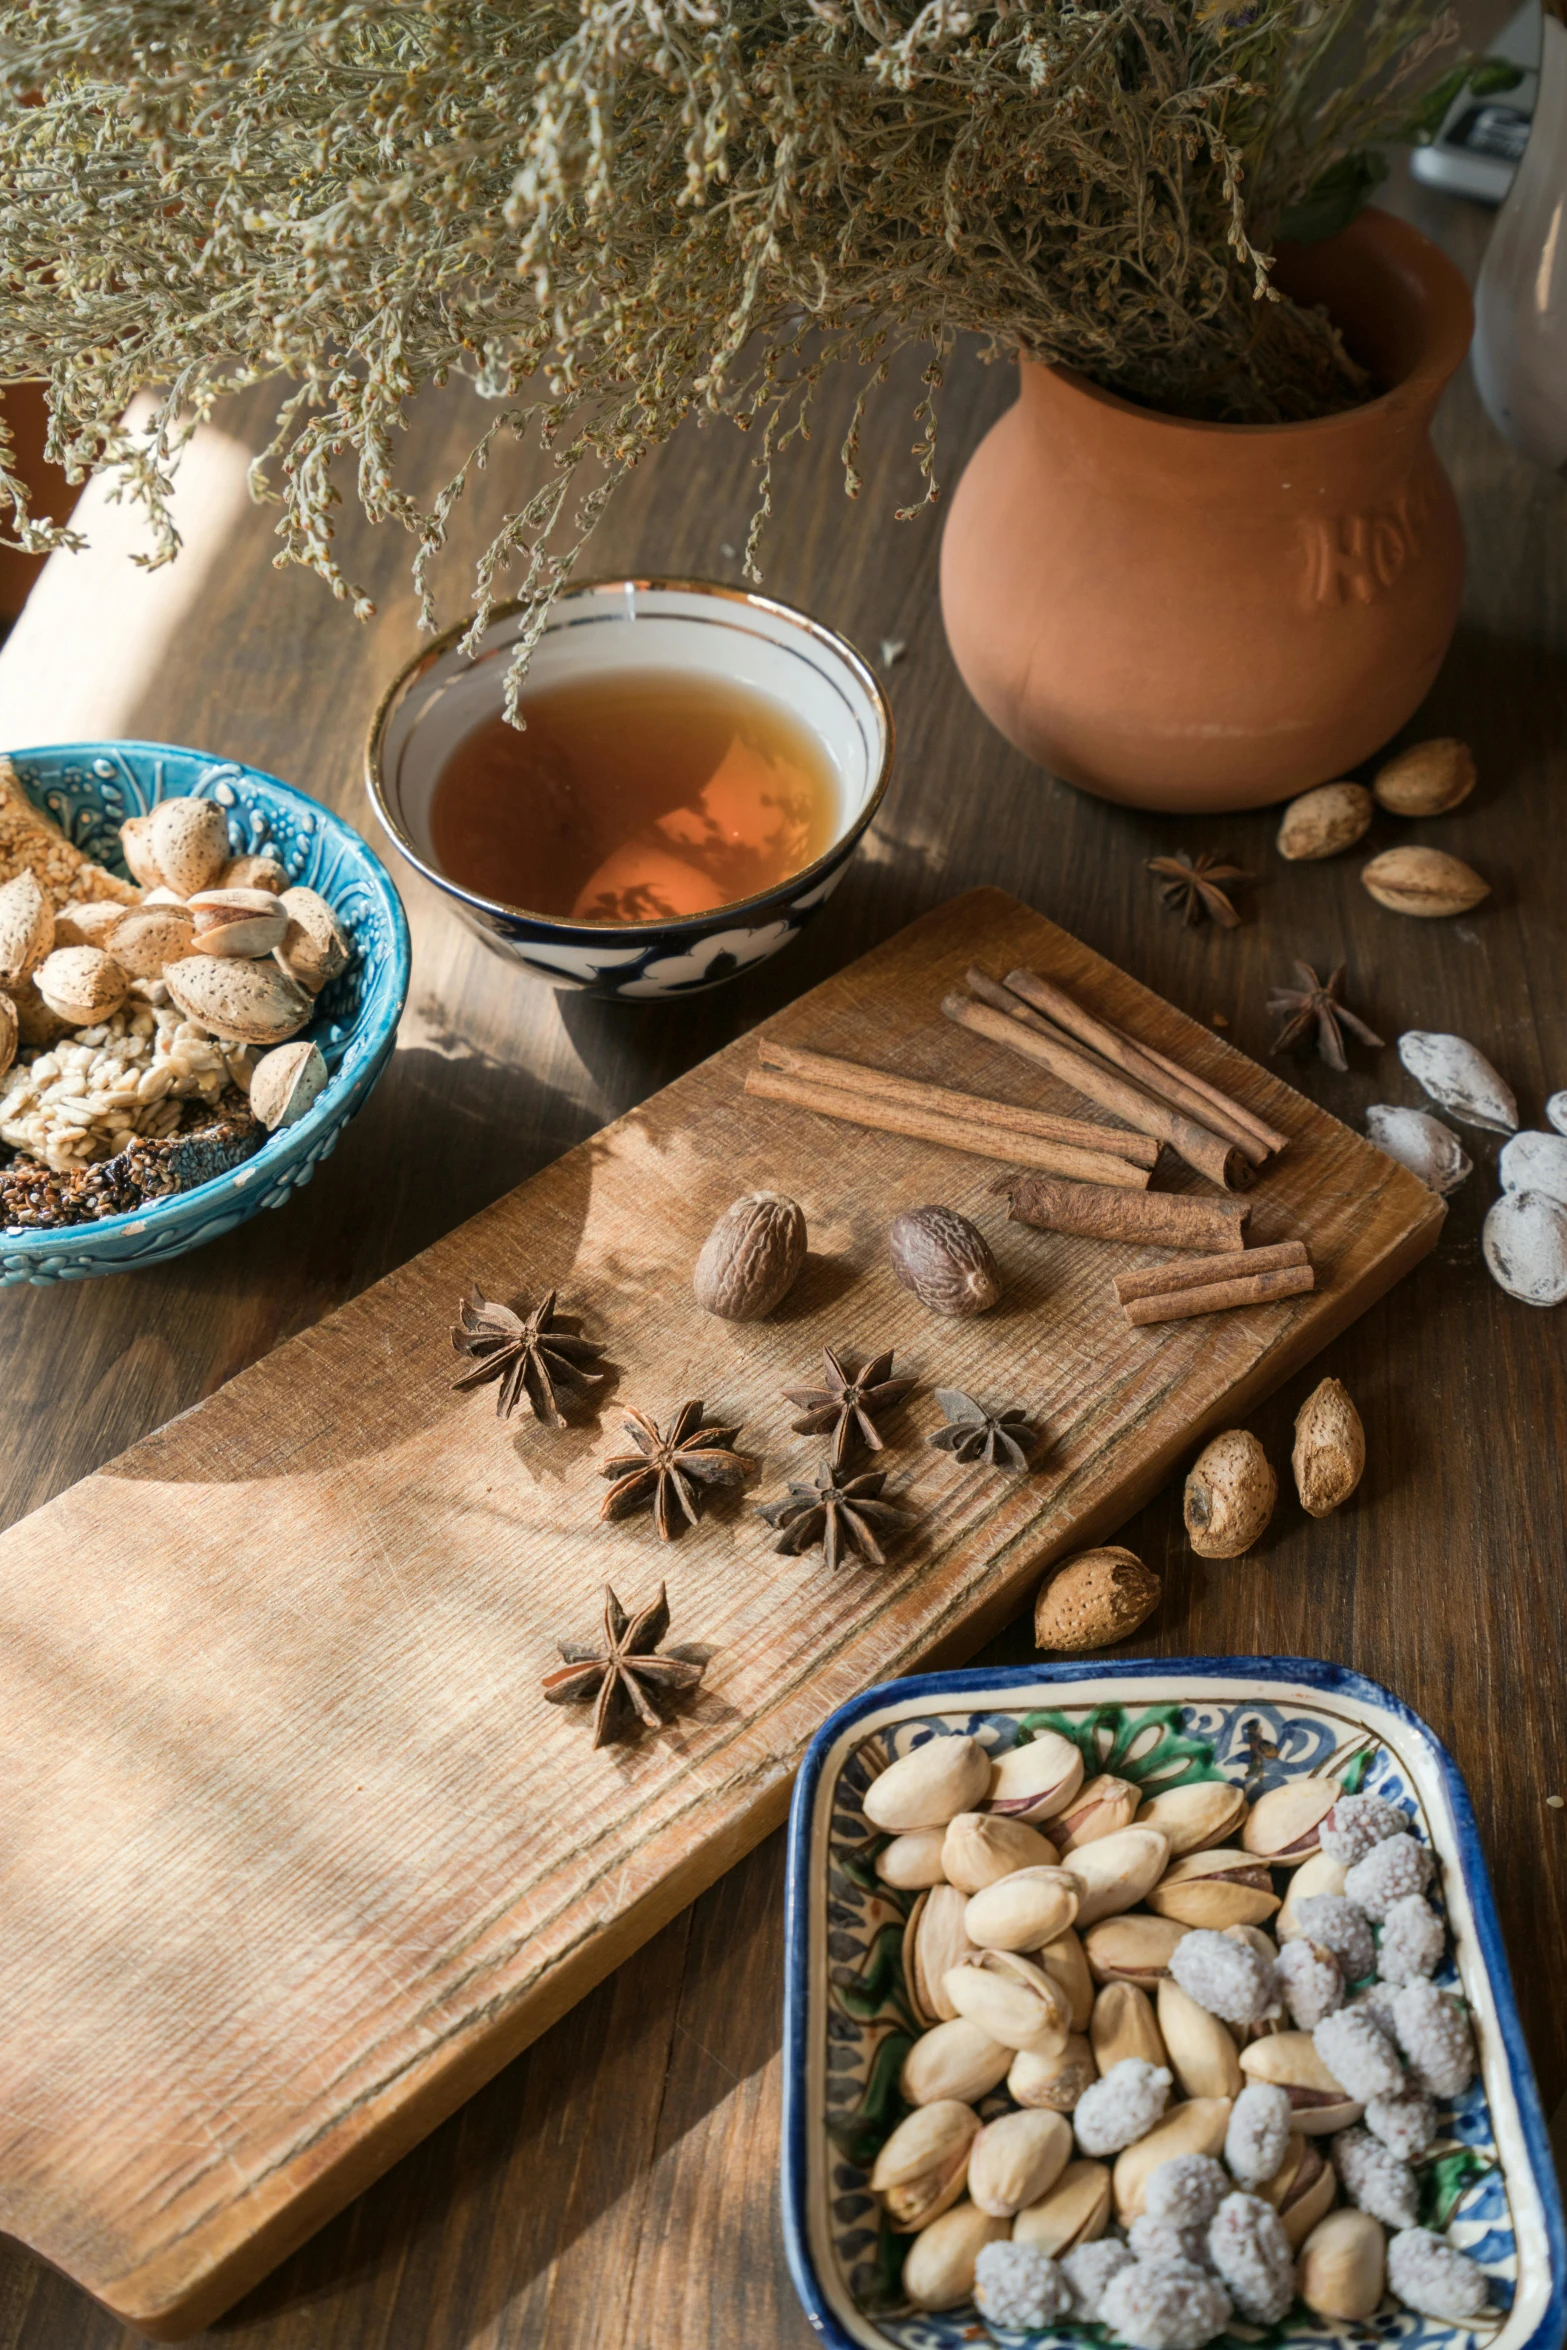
{"points": [[669, 1472], [624, 1675], [1002, 1439], [526, 1353], [1192, 886], [843, 1514], [1314, 1002], [848, 1406]]}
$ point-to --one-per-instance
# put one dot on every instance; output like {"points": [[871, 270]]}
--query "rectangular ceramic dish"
{"points": [[1256, 1721]]}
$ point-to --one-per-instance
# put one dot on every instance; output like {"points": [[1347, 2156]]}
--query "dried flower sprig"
{"points": [[609, 218]]}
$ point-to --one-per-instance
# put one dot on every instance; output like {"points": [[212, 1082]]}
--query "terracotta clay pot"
{"points": [[1198, 616]]}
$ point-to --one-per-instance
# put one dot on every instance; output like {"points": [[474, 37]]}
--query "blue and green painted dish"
{"points": [[89, 789], [1258, 1722]]}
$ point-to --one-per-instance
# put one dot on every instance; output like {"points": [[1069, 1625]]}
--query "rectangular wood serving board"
{"points": [[295, 1856]]}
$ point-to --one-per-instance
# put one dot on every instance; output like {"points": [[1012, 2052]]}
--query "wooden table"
{"points": [[617, 2186]]}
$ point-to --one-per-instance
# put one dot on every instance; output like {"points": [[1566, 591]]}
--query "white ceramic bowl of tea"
{"points": [[696, 769]]}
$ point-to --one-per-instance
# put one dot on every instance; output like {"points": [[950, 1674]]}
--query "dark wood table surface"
{"points": [[617, 2186]]}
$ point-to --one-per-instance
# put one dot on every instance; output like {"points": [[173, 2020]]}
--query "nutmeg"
{"points": [[1324, 822], [752, 1257], [1094, 1600], [1421, 881], [1426, 780], [1230, 1495], [945, 1260], [1330, 1448]]}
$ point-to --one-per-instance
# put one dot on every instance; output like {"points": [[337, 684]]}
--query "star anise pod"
{"points": [[1191, 886], [526, 1353], [1002, 1440], [624, 1675], [669, 1472], [848, 1406], [843, 1514], [1316, 1003]]}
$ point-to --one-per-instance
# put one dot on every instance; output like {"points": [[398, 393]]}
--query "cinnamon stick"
{"points": [[1091, 1169], [1159, 1280], [1045, 996], [1209, 1153], [1159, 1219], [1218, 1297], [883, 1084], [1214, 1093]]}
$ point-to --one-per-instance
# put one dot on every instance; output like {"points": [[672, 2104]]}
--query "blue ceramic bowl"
{"points": [[685, 627], [89, 789], [1257, 1721]]}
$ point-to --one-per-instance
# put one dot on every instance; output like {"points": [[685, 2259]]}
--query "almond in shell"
{"points": [[1230, 1494], [1325, 822], [189, 844], [1330, 1448], [315, 947], [245, 1003], [1095, 1599], [88, 923], [1426, 780], [144, 938], [1424, 882], [287, 1082], [241, 922], [81, 984], [26, 928], [9, 1032]]}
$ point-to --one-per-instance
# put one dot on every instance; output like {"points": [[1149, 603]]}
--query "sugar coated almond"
{"points": [[1096, 1599]]}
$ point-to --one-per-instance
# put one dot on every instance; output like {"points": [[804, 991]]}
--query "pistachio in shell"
{"points": [[1095, 1599], [1132, 1949], [1325, 822], [939, 2271], [752, 1258], [1053, 2081], [935, 1940], [945, 1260], [1075, 2211], [1320, 1874], [1320, 2105], [1023, 1910], [1343, 2266], [1202, 2052], [1329, 1459], [1123, 2025], [1066, 1963], [912, 1863], [1283, 1828], [1230, 1494], [1197, 1818], [953, 2059], [1012, 1999], [1101, 1807], [287, 1082], [922, 2167], [1118, 1871], [979, 1848], [1215, 1889], [1427, 779], [930, 1784], [1017, 2158], [1197, 2127], [1302, 2188], [1035, 1780]]}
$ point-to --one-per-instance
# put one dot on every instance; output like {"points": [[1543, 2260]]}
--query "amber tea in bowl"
{"points": [[695, 769]]}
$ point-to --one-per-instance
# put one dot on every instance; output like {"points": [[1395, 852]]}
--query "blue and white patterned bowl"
{"points": [[694, 626], [1257, 1721], [89, 789]]}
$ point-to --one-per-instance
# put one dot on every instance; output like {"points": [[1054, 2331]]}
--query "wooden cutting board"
{"points": [[294, 1854]]}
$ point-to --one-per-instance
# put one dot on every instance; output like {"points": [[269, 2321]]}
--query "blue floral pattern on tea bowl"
{"points": [[690, 628], [1257, 1722], [89, 789]]}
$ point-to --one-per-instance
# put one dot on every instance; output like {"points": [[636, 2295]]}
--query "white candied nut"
{"points": [[1535, 1162], [1258, 2135], [1434, 2277], [1459, 1079], [1406, 2124], [1122, 2108], [1524, 1242], [1412, 1941], [1249, 2248], [1356, 1823], [1376, 2179], [1088, 2270], [1019, 2286], [1433, 2031], [1161, 2239], [1359, 2054], [1186, 2191], [1421, 1143], [1395, 1867], [1328, 1919], [1311, 1980], [1226, 1977], [1163, 2305]]}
